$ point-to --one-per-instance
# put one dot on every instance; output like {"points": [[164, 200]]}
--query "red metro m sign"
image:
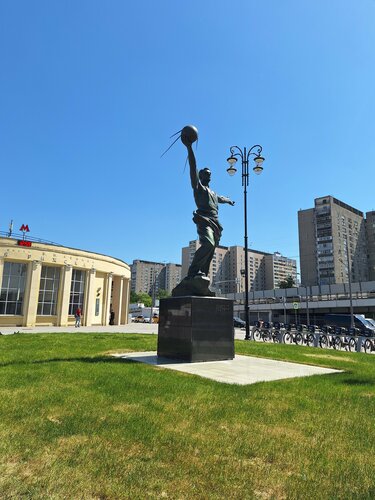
{"points": [[24, 243], [25, 229]]}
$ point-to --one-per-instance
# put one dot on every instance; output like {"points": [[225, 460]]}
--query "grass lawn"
{"points": [[75, 423]]}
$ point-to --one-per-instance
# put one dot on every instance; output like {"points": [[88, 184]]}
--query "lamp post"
{"points": [[307, 307], [350, 288], [153, 290], [307, 301], [350, 283], [284, 304], [244, 155], [237, 281], [242, 274], [349, 271]]}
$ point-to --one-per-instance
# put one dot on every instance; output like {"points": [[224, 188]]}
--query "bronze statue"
{"points": [[206, 218]]}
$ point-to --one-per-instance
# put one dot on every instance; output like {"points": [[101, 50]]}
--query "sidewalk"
{"points": [[129, 328]]}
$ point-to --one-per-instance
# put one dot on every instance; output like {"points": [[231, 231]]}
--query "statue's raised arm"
{"points": [[194, 177]]}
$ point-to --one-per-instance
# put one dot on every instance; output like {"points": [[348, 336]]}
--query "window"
{"points": [[12, 288], [77, 291], [48, 291]]}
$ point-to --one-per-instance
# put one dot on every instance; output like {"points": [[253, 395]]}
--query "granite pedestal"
{"points": [[196, 328]]}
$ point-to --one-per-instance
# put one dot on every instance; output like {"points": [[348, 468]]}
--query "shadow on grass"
{"points": [[96, 359], [353, 381]]}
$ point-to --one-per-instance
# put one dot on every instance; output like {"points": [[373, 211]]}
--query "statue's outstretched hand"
{"points": [[189, 135], [232, 203]]}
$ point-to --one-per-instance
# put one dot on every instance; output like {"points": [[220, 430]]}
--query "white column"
{"points": [[65, 285], [107, 299], [30, 307], [89, 297], [1, 270], [125, 302], [117, 298]]}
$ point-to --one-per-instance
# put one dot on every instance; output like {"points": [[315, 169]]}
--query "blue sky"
{"points": [[91, 91]]}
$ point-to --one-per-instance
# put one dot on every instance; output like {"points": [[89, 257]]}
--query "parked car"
{"points": [[370, 320], [344, 320], [238, 322], [139, 319]]}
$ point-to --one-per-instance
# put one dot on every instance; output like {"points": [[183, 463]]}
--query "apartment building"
{"points": [[170, 276], [278, 268], [256, 266], [227, 270], [332, 242], [150, 277], [219, 264], [370, 234]]}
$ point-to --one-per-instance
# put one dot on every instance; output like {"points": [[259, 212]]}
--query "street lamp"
{"points": [[349, 281], [307, 301], [307, 307], [237, 281], [155, 277], [236, 152]]}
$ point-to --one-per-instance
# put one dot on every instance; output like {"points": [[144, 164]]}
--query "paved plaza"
{"points": [[130, 328]]}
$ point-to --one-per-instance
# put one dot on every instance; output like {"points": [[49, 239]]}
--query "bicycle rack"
{"points": [[337, 338]]}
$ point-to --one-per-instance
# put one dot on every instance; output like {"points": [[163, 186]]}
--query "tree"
{"points": [[143, 298], [163, 294], [287, 283]]}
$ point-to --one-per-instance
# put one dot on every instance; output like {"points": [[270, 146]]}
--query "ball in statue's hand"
{"points": [[189, 134]]}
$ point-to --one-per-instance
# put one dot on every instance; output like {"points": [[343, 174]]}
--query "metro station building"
{"points": [[44, 284]]}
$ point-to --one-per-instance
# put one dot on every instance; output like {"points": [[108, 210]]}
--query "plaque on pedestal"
{"points": [[196, 328]]}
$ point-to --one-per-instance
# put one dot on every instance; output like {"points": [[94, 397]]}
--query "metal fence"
{"points": [[20, 236]]}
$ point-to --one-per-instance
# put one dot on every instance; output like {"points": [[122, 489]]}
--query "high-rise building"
{"points": [[170, 276], [150, 277], [332, 242], [279, 268], [219, 264], [370, 233], [236, 270], [227, 270]]}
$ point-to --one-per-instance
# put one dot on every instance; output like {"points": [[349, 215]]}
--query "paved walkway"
{"points": [[242, 370], [129, 328]]}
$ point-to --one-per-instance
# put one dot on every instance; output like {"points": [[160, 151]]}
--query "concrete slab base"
{"points": [[242, 370]]}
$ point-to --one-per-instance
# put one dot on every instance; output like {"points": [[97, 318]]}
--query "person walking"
{"points": [[78, 316], [112, 317]]}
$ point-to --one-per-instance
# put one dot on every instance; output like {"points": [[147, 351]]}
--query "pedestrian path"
{"points": [[129, 328]]}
